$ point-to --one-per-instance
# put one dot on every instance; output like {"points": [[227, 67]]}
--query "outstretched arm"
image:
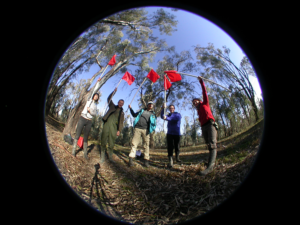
{"points": [[109, 98], [204, 93], [132, 112]]}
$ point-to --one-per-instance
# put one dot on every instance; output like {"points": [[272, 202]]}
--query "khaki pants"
{"points": [[138, 133]]}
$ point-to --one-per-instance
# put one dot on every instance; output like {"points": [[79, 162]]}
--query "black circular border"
{"points": [[244, 32]]}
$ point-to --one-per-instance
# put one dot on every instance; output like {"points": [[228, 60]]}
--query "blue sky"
{"points": [[191, 30]]}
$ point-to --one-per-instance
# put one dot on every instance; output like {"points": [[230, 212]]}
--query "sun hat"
{"points": [[150, 102]]}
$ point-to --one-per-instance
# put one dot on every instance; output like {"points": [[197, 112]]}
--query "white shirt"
{"points": [[93, 107]]}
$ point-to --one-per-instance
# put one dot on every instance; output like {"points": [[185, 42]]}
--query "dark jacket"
{"points": [[111, 110]]}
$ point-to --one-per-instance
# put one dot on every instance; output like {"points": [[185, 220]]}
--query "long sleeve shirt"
{"points": [[174, 120], [90, 103], [203, 108], [93, 107]]}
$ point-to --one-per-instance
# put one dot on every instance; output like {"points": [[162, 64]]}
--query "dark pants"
{"points": [[87, 124], [173, 142]]}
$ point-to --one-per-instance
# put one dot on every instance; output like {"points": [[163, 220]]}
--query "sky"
{"points": [[191, 30]]}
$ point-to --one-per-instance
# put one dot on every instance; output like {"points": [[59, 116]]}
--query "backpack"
{"points": [[68, 139]]}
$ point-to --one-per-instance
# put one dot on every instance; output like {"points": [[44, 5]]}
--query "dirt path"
{"points": [[154, 195]]}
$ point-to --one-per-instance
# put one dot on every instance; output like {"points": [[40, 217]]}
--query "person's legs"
{"points": [[170, 144], [79, 128], [87, 128], [80, 125], [111, 142], [170, 141], [135, 141], [212, 147], [205, 136], [104, 138], [146, 140], [176, 145]]}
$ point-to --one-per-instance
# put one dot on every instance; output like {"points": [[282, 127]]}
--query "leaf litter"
{"points": [[154, 195]]}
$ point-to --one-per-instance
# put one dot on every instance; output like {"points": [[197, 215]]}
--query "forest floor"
{"points": [[158, 194]]}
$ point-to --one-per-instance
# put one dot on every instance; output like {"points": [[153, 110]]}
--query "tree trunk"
{"points": [[246, 114], [75, 115], [255, 110]]}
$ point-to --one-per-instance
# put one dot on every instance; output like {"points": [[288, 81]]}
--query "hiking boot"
{"points": [[170, 161], [147, 163], [211, 162], [177, 158], [102, 156], [74, 147], [110, 154], [85, 150], [130, 161]]}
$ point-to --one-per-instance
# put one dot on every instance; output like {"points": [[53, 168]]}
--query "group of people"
{"points": [[144, 124]]}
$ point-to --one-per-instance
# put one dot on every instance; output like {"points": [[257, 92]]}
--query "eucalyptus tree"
{"points": [[195, 124], [58, 102], [78, 58], [218, 64], [160, 139], [105, 39], [186, 136], [261, 107], [96, 123]]}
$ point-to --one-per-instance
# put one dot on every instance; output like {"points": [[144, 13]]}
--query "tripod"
{"points": [[95, 181]]}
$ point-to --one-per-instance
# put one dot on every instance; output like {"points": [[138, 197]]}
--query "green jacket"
{"points": [[111, 110]]}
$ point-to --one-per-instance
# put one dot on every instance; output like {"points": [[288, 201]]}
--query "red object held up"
{"points": [[167, 83], [112, 61], [173, 75], [128, 78], [153, 76]]}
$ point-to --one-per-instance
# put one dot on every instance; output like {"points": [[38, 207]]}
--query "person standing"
{"points": [[144, 124], [113, 125], [209, 127], [173, 133], [85, 120]]}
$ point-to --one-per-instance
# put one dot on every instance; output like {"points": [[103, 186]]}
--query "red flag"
{"points": [[128, 78], [112, 61], [153, 76], [167, 83], [173, 75]]}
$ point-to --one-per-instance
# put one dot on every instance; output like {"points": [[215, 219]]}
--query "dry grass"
{"points": [[154, 195]]}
